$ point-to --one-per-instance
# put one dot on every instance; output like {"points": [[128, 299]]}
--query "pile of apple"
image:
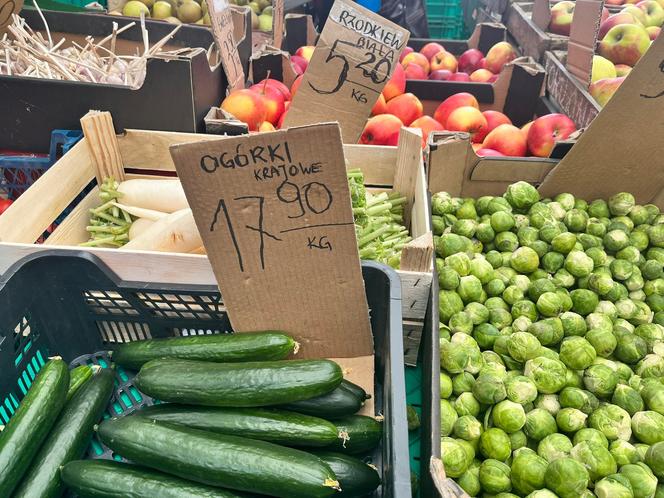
{"points": [[562, 14], [433, 62], [624, 38]]}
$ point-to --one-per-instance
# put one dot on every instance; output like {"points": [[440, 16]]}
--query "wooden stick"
{"points": [[48, 30]]}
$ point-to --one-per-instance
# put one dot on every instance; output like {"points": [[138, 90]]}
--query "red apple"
{"points": [[484, 152], [481, 75], [305, 52], [380, 107], [431, 49], [493, 120], [605, 15], [247, 106], [414, 71], [468, 119], [625, 44], [459, 77], [453, 102], [603, 90], [614, 2], [416, 58], [381, 130], [546, 131], [444, 60], [396, 85], [526, 128], [499, 55], [405, 52], [299, 64], [278, 85], [427, 124], [614, 20], [273, 99], [562, 14], [440, 75], [406, 107], [482, 63], [506, 139], [653, 31], [469, 61]]}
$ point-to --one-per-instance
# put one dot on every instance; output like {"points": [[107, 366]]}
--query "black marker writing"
{"points": [[656, 96], [222, 206], [319, 242]]}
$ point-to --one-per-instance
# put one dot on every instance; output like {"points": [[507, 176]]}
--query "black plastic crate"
{"points": [[69, 303]]}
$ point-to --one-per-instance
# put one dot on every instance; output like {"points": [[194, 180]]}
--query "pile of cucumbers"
{"points": [[235, 419]]}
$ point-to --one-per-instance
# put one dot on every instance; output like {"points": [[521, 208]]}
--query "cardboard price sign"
{"points": [[7, 8], [275, 216], [277, 23], [354, 58], [222, 30]]}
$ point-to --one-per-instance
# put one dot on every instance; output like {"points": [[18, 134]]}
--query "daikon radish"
{"points": [[166, 196], [139, 226], [176, 232], [148, 214]]}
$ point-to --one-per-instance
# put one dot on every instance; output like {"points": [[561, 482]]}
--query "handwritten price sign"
{"points": [[274, 212], [222, 30], [7, 8], [355, 57]]}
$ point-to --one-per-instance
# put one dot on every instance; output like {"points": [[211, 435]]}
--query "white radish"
{"points": [[166, 196], [148, 214], [176, 232], [139, 226]]}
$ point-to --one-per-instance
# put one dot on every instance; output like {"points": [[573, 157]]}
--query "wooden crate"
{"points": [[145, 153], [533, 41]]}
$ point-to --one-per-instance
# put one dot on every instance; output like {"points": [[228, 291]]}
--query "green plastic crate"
{"points": [[445, 19], [414, 398]]}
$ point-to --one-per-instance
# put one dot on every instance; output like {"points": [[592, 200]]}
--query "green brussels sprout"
{"points": [[485, 335], [652, 269], [566, 477], [595, 227], [494, 287], [539, 424], [639, 215], [574, 378], [500, 318], [549, 304], [551, 355], [548, 331], [626, 308], [451, 243], [615, 240], [454, 456], [629, 253], [548, 375], [643, 481], [470, 481], [653, 396], [449, 303], [523, 346], [573, 397], [539, 287], [576, 220], [470, 289], [643, 313], [460, 354], [554, 446], [654, 287], [461, 323], [459, 262], [549, 231], [654, 459], [612, 421], [496, 303], [462, 383], [481, 269], [552, 261], [602, 340], [621, 269], [596, 458], [639, 239], [600, 380], [592, 435], [444, 332], [577, 353], [564, 242], [512, 294], [524, 308], [524, 260], [579, 264], [502, 221], [495, 476], [623, 371], [599, 209], [621, 204], [521, 389], [563, 278], [445, 385], [467, 210], [527, 234], [521, 195], [548, 402], [656, 235], [508, 416], [448, 278], [528, 470], [627, 398], [623, 452], [448, 416], [600, 283], [648, 427], [641, 449], [492, 357], [521, 324], [442, 203], [614, 486], [571, 420], [495, 443], [468, 428], [618, 292], [652, 365], [584, 301], [466, 404], [493, 369], [518, 440], [599, 321], [465, 227], [484, 232], [573, 324], [489, 389], [652, 333], [598, 255], [477, 312], [630, 348]]}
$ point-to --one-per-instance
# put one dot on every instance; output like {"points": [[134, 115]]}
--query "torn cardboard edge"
{"points": [[583, 38], [273, 62], [299, 32]]}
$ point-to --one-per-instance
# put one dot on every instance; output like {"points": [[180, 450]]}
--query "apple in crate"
{"points": [[406, 107], [483, 76], [562, 14], [546, 131], [614, 2], [427, 124], [507, 140], [468, 119], [499, 55], [459, 77], [653, 32], [305, 52], [440, 74], [414, 72], [453, 102], [493, 120], [405, 52], [484, 152], [380, 107], [381, 130], [470, 61], [625, 44], [603, 90], [431, 49], [416, 58], [247, 106], [396, 85], [653, 12], [444, 60], [637, 13], [615, 20], [623, 70], [602, 68]]}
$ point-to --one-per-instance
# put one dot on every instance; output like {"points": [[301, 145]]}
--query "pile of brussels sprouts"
{"points": [[551, 344]]}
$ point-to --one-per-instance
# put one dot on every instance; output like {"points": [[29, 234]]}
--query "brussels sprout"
{"points": [[502, 221], [548, 331], [477, 312], [579, 264], [523, 346], [576, 220], [577, 353], [449, 303], [508, 416], [548, 375], [621, 204], [572, 397], [584, 301], [648, 427], [521, 324], [524, 308], [573, 324], [448, 417], [497, 370], [552, 261], [600, 380], [653, 396], [489, 389], [623, 371], [549, 304], [600, 283], [641, 450], [521, 389], [481, 269], [563, 278], [484, 232], [612, 421], [521, 195], [495, 443], [615, 240], [596, 458], [465, 227], [652, 333], [454, 456], [528, 470], [470, 481], [518, 440], [506, 242], [643, 314], [442, 203], [494, 287], [548, 402], [466, 404], [626, 308], [462, 383], [542, 493], [468, 428], [461, 322], [603, 341], [500, 318], [650, 366], [539, 424], [621, 269], [571, 420], [614, 486], [527, 234], [630, 348], [554, 446], [467, 210], [448, 278], [495, 476], [592, 435], [470, 288], [451, 243], [539, 287], [566, 477], [627, 398], [654, 459], [524, 260], [485, 335], [623, 452], [643, 481], [445, 385], [599, 209], [512, 294]]}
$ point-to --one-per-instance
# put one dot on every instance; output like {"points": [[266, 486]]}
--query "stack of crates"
{"points": [[445, 19]]}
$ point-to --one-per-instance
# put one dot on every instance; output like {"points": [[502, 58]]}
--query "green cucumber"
{"points": [[225, 348], [338, 403], [21, 438], [68, 439], [359, 434], [218, 459], [79, 376], [355, 389], [355, 477], [111, 479], [237, 384], [275, 426]]}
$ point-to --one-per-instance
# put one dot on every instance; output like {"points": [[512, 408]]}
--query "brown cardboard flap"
{"points": [[526, 84], [274, 63], [583, 38], [486, 35], [541, 14], [622, 149], [277, 22], [300, 31], [275, 216], [498, 169]]}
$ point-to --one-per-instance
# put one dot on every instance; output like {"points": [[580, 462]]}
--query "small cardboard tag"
{"points": [[583, 38], [222, 30], [275, 216], [354, 58], [7, 8], [541, 14], [277, 22]]}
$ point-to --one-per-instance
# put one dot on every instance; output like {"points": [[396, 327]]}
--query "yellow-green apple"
{"points": [[440, 74], [414, 71], [459, 77], [525, 129], [305, 52], [427, 124], [625, 44], [653, 12], [653, 31], [431, 49], [416, 58], [562, 14], [299, 63], [247, 106], [546, 131], [381, 130], [272, 98], [507, 140], [469, 61], [493, 120], [296, 85], [638, 14], [623, 69], [603, 90], [444, 60], [452, 102], [396, 85], [481, 75], [484, 152], [602, 68], [380, 107], [405, 52], [499, 55], [468, 119], [615, 20], [406, 107]]}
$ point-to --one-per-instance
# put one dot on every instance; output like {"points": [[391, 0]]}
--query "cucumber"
{"points": [[68, 439], [111, 479], [275, 426], [218, 459], [360, 434], [355, 477], [355, 389], [79, 376], [338, 403], [237, 384], [226, 348], [21, 438]]}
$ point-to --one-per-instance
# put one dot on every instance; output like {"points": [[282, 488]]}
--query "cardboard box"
{"points": [[533, 40], [176, 94]]}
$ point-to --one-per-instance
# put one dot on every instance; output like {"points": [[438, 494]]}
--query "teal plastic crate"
{"points": [[445, 18]]}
